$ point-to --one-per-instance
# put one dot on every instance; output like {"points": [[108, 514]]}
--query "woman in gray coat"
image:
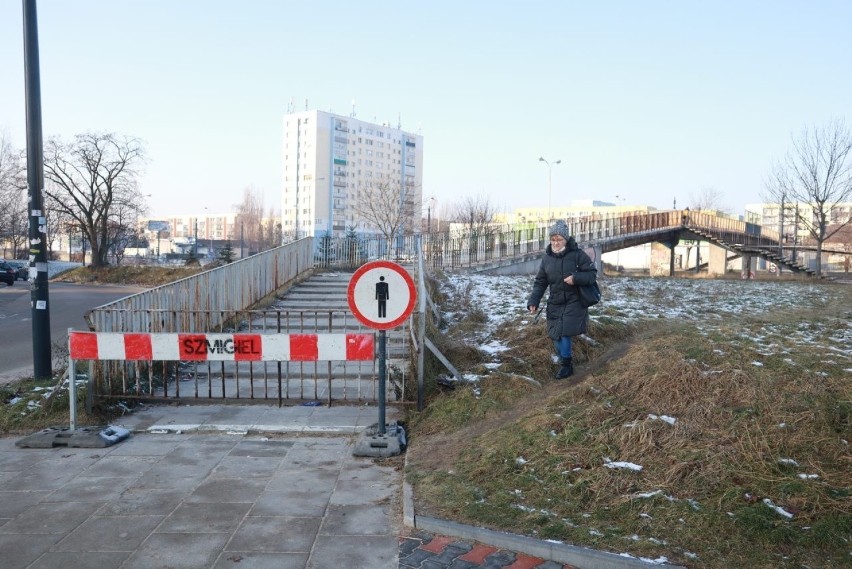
{"points": [[563, 266]]}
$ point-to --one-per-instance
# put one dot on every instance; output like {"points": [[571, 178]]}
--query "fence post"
{"points": [[72, 384], [421, 332]]}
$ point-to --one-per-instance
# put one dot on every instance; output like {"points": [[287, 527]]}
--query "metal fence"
{"points": [[207, 300], [260, 381]]}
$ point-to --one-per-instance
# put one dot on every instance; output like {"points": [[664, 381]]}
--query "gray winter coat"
{"points": [[565, 315]]}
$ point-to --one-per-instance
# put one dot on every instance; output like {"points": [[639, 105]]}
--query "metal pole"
{"points": [[72, 385], [549, 191], [796, 232], [549, 182], [35, 182], [382, 377], [421, 332], [780, 234]]}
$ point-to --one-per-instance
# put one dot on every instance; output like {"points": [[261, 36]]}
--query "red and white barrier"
{"points": [[221, 347]]}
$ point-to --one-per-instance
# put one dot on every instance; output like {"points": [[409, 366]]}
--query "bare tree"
{"points": [[708, 199], [817, 174], [91, 179], [250, 217], [122, 227], [388, 208], [57, 221], [476, 214], [14, 224], [273, 234]]}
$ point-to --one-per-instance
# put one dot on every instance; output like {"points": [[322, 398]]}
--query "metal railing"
{"points": [[219, 300], [259, 381], [218, 293]]}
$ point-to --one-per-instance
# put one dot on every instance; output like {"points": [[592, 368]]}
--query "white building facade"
{"points": [[332, 163]]}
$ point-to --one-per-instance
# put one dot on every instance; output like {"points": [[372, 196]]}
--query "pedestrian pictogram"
{"points": [[381, 295]]}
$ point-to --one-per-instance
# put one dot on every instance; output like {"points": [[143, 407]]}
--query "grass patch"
{"points": [[29, 406], [741, 427], [129, 275]]}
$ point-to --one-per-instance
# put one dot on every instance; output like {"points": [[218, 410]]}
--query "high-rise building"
{"points": [[343, 174]]}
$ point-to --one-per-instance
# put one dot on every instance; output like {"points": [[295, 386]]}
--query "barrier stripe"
{"points": [[221, 347]]}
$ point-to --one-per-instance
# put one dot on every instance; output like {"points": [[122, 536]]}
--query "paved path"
{"points": [[222, 498], [242, 487]]}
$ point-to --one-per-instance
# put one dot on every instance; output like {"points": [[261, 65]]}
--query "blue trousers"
{"points": [[563, 346]]}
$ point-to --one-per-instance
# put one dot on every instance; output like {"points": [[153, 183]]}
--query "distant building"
{"points": [[790, 221], [330, 163], [575, 209], [178, 232]]}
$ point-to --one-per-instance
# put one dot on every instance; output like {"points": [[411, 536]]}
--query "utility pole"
{"points": [[781, 232], [35, 183]]}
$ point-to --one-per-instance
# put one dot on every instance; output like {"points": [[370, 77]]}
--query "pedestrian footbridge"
{"points": [[518, 249], [298, 291]]}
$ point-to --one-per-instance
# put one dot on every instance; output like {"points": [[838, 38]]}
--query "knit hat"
{"points": [[560, 228]]}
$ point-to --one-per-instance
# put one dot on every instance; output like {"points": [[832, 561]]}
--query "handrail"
{"points": [[223, 291]]}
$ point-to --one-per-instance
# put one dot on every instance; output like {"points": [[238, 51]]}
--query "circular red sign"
{"points": [[381, 295]]}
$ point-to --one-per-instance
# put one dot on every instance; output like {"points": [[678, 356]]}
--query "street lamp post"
{"points": [[550, 166], [622, 199], [209, 232]]}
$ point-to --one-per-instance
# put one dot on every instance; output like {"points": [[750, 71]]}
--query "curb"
{"points": [[579, 557]]}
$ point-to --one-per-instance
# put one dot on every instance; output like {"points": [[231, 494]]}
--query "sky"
{"points": [[651, 101]]}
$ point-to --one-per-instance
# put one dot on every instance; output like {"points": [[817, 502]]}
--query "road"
{"points": [[68, 303]]}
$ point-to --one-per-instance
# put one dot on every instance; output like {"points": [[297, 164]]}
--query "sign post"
{"points": [[381, 295]]}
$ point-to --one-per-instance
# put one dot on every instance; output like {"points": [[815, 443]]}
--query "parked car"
{"points": [[8, 273], [23, 269]]}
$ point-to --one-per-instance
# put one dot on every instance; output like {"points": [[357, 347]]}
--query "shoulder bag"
{"points": [[589, 295]]}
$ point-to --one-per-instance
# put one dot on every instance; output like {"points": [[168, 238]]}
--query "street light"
{"points": [[549, 182], [622, 199], [209, 232]]}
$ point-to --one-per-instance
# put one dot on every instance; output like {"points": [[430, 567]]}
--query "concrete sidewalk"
{"points": [[206, 487], [240, 486]]}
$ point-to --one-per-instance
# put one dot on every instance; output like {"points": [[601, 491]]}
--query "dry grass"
{"points": [[747, 397], [129, 275]]}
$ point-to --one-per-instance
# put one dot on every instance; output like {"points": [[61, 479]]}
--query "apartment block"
{"points": [[794, 218], [335, 167]]}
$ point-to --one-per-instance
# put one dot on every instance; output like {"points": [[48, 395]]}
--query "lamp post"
{"points": [[622, 199], [209, 232], [550, 166], [781, 231]]}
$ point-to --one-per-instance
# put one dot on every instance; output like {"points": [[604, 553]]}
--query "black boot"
{"points": [[566, 370]]}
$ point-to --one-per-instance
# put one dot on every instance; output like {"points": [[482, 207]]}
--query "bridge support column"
{"points": [[598, 257], [748, 266], [662, 260], [718, 264]]}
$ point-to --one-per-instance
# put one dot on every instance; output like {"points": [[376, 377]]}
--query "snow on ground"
{"points": [[56, 267], [703, 301], [631, 300]]}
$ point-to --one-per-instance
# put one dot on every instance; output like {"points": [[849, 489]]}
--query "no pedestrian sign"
{"points": [[381, 295]]}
